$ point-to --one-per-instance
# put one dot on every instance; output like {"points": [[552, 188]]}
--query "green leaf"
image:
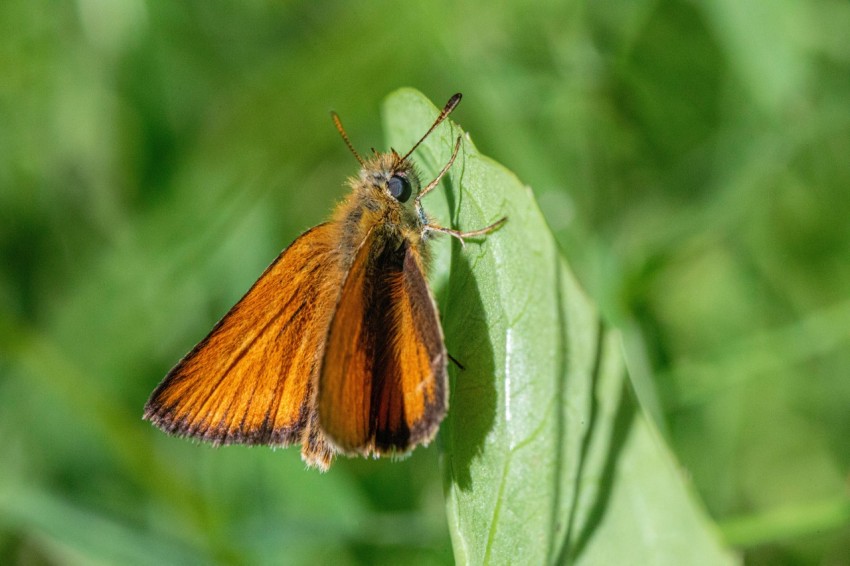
{"points": [[547, 459]]}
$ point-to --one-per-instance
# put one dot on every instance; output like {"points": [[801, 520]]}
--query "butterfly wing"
{"points": [[382, 387], [250, 381]]}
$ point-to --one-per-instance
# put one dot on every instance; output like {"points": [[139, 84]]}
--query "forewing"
{"points": [[382, 387], [249, 381], [345, 381], [410, 394]]}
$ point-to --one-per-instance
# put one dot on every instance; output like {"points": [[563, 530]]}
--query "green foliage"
{"points": [[545, 457], [689, 158]]}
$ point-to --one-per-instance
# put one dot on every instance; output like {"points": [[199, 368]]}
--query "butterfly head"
{"points": [[391, 176]]}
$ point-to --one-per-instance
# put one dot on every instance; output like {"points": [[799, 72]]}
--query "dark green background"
{"points": [[692, 160]]}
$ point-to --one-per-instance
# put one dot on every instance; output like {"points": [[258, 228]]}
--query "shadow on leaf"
{"points": [[473, 395]]}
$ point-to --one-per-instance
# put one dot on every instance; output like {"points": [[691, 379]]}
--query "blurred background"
{"points": [[692, 160]]}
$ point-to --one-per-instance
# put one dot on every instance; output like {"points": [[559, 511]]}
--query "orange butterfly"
{"points": [[338, 344]]}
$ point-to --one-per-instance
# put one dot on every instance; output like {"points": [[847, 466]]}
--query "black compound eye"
{"points": [[399, 188]]}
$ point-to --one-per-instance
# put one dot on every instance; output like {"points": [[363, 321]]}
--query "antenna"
{"points": [[447, 109], [347, 141]]}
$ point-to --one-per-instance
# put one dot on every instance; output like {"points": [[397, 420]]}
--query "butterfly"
{"points": [[338, 345]]}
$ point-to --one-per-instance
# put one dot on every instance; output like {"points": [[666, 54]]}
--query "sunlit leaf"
{"points": [[546, 457]]}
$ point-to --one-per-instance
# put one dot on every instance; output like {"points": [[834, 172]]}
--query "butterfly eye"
{"points": [[399, 188]]}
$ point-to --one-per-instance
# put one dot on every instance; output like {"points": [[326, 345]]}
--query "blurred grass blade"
{"points": [[545, 455], [71, 534]]}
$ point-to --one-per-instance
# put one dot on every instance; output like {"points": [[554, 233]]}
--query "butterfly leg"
{"points": [[462, 235], [430, 186], [457, 363]]}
